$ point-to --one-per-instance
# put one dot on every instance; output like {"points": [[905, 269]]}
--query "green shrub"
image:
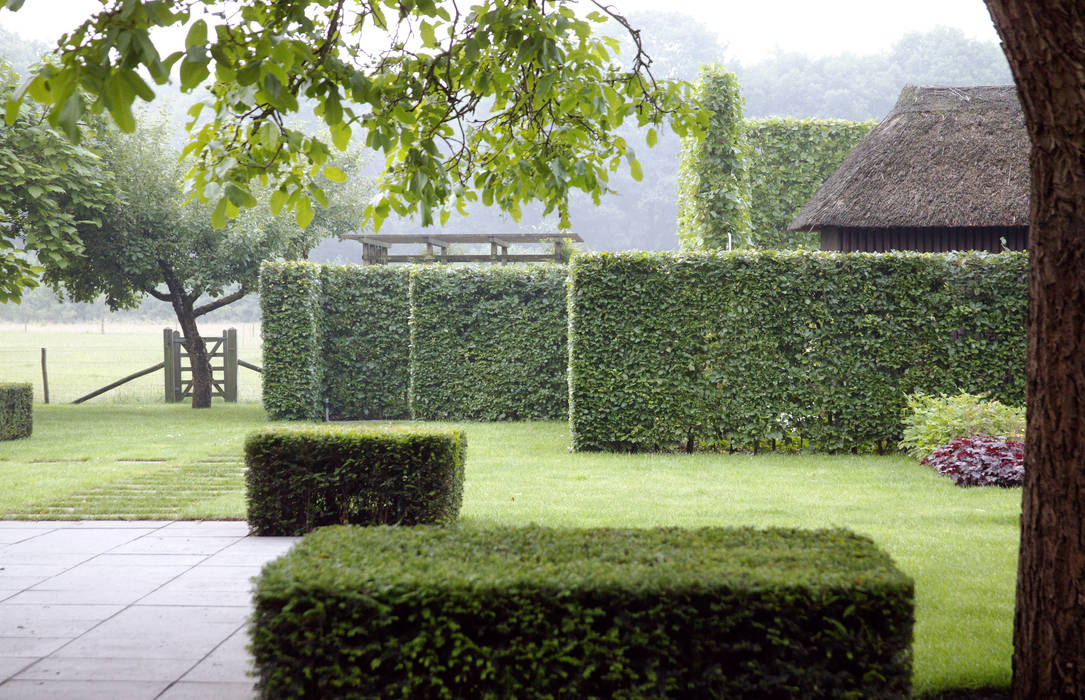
{"points": [[934, 421], [290, 311], [365, 338], [739, 349], [16, 410], [429, 342], [488, 343], [789, 159], [535, 612], [299, 479], [713, 181]]}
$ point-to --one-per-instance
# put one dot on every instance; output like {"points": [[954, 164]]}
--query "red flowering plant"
{"points": [[980, 461]]}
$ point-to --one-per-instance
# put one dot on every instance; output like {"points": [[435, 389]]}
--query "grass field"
{"points": [[83, 357], [960, 545]]}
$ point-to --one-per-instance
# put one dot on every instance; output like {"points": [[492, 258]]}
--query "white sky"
{"points": [[751, 29]]}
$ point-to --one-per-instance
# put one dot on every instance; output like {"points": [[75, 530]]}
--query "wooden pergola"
{"points": [[375, 247]]}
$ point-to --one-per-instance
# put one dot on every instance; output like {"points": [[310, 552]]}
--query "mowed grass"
{"points": [[960, 545], [81, 358]]}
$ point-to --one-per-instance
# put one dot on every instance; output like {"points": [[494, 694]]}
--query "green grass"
{"points": [[960, 545], [83, 357]]}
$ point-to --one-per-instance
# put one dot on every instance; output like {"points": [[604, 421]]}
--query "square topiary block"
{"points": [[16, 410], [302, 478], [536, 612]]}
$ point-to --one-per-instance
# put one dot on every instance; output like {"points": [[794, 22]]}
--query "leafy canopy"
{"points": [[149, 242], [504, 100], [48, 188]]}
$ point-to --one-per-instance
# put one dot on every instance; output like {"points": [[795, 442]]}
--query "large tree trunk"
{"points": [[1043, 40], [197, 357], [182, 304]]}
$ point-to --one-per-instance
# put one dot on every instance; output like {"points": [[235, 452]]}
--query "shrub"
{"points": [[290, 312], [536, 612], [670, 351], [934, 421], [365, 341], [713, 173], [488, 343], [980, 461], [789, 159], [429, 342], [299, 479], [16, 411]]}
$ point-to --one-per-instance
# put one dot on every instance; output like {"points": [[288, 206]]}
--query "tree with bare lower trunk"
{"points": [[149, 242], [1045, 43]]}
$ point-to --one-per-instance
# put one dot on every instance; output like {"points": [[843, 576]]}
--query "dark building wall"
{"points": [[927, 240]]}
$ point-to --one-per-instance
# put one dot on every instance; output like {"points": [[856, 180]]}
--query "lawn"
{"points": [[80, 358], [960, 545]]}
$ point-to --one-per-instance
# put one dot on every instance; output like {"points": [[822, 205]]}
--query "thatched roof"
{"points": [[943, 157]]}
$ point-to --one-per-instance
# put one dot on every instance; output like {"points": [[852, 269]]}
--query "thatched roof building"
{"points": [[947, 169]]}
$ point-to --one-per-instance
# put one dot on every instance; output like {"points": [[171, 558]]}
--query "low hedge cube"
{"points": [[302, 478], [16, 410], [474, 612]]}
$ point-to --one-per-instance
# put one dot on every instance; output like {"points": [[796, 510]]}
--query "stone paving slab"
{"points": [[128, 609]]}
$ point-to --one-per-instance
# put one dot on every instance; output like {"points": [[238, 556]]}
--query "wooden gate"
{"points": [[222, 353]]}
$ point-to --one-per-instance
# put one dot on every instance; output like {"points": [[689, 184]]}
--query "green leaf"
{"points": [[304, 213], [197, 34], [635, 170], [71, 113], [340, 135], [652, 138], [218, 216], [429, 39], [279, 198], [335, 174]]}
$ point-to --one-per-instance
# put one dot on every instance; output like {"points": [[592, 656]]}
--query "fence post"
{"points": [[44, 378], [230, 366], [167, 364]]}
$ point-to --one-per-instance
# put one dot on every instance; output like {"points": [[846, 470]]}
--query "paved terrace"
{"points": [[130, 610]]}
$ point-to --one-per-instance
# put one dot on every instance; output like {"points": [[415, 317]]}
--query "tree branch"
{"points": [[220, 302]]}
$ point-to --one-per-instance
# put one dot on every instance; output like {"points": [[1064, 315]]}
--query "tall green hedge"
{"points": [[425, 342], [488, 343], [713, 182], [366, 341], [789, 159], [741, 349], [290, 310]]}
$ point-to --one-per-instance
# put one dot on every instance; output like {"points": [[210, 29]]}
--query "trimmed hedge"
{"points": [[366, 341], [429, 342], [713, 177], [746, 349], [290, 295], [789, 159], [535, 612], [16, 410], [488, 344], [299, 479]]}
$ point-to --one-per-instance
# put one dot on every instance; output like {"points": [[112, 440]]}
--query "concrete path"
{"points": [[128, 610]]}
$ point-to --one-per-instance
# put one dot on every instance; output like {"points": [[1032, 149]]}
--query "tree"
{"points": [[149, 242], [1042, 39], [47, 186], [507, 101]]}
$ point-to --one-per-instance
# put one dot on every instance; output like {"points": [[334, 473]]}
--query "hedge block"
{"points": [[488, 343], [365, 340], [16, 410], [745, 349], [290, 315], [537, 612], [299, 479]]}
